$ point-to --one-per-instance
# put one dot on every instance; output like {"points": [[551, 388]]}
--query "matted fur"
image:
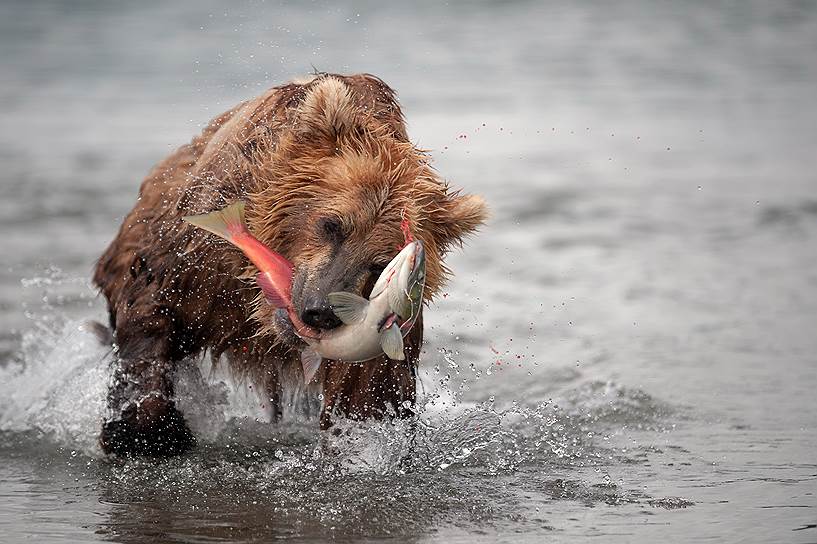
{"points": [[329, 154]]}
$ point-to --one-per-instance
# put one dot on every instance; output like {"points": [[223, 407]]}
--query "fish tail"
{"points": [[225, 223]]}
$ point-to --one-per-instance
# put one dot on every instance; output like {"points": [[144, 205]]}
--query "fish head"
{"points": [[403, 281], [411, 271], [417, 265], [415, 279]]}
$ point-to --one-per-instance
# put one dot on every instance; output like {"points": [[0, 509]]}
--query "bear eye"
{"points": [[331, 229], [377, 268]]}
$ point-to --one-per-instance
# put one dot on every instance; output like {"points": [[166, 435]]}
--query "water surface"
{"points": [[626, 351]]}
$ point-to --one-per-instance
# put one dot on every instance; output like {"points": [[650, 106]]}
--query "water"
{"points": [[626, 352]]}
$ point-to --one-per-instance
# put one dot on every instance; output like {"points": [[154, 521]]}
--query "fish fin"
{"points": [[349, 307], [311, 362], [399, 301], [270, 293], [391, 340], [224, 223]]}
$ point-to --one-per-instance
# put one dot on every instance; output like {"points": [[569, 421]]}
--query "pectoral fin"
{"points": [[311, 362], [349, 307], [391, 340]]}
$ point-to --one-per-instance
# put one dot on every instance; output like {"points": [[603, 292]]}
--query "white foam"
{"points": [[210, 398], [58, 385]]}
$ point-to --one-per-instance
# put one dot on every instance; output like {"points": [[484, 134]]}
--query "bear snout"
{"points": [[312, 284], [318, 314]]}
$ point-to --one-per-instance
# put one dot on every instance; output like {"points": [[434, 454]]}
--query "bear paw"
{"points": [[164, 433]]}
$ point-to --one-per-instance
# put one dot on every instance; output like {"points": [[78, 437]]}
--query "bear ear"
{"points": [[461, 215], [327, 108]]}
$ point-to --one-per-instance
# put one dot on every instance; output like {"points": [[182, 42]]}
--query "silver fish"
{"points": [[377, 325]]}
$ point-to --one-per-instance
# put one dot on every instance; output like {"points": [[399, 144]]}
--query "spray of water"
{"points": [[55, 389]]}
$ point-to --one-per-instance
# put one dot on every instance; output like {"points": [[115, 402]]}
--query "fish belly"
{"points": [[351, 345], [357, 342]]}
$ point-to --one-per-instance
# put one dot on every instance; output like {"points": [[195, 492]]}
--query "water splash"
{"points": [[57, 385], [403, 473]]}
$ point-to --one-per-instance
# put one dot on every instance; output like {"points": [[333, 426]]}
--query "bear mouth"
{"points": [[285, 329]]}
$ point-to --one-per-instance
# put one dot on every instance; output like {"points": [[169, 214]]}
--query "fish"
{"points": [[370, 326]]}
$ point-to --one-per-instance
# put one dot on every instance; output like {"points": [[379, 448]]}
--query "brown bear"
{"points": [[327, 173]]}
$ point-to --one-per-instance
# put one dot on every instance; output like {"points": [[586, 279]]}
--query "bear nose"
{"points": [[320, 316]]}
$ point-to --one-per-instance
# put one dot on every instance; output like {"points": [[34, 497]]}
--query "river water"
{"points": [[627, 351]]}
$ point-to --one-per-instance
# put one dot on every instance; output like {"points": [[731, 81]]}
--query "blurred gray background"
{"points": [[650, 167]]}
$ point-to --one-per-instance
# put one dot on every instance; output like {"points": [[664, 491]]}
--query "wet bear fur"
{"points": [[327, 172]]}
